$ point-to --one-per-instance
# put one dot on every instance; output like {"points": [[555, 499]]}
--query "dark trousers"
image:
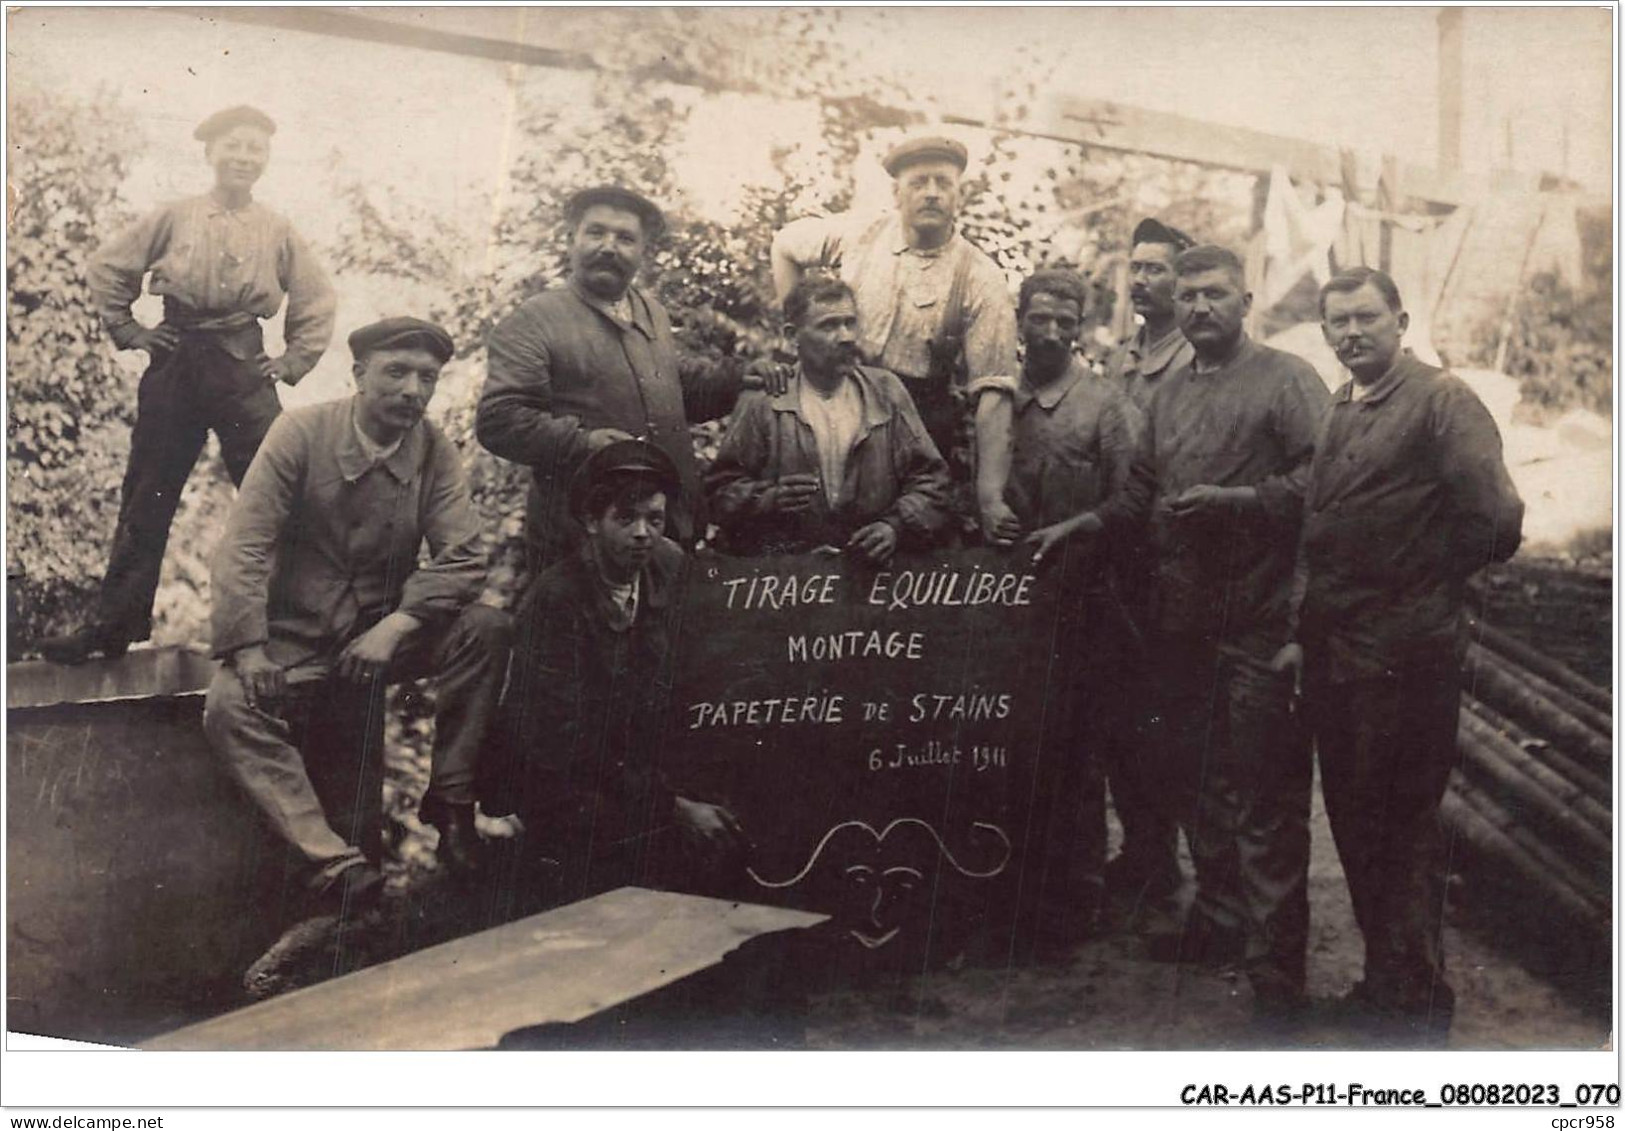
{"points": [[315, 768], [184, 393], [1240, 772], [1387, 746], [1150, 827], [1062, 881]]}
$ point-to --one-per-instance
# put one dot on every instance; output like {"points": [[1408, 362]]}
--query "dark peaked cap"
{"points": [[654, 221], [399, 334], [1155, 231], [222, 120], [623, 456], [917, 149]]}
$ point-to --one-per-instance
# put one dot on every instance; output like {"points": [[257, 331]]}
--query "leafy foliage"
{"points": [[1561, 348], [70, 401]]}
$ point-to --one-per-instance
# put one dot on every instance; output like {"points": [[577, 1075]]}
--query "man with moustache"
{"points": [[840, 458], [1220, 471], [580, 366], [932, 308], [1073, 443], [1147, 867], [223, 262], [319, 603], [1408, 497], [1157, 347]]}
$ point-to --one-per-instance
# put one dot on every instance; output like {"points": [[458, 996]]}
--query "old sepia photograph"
{"points": [[774, 528]]}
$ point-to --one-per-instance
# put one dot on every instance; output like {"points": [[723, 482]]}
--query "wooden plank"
{"points": [[143, 673], [560, 966]]}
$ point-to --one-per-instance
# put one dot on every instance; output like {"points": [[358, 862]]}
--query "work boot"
{"points": [[459, 847], [74, 648]]}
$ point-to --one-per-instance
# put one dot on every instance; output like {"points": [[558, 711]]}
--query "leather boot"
{"points": [[459, 847]]}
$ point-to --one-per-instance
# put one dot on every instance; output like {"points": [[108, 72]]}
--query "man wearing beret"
{"points": [[1158, 346], [319, 603], [583, 365], [581, 723], [222, 262], [932, 308]]}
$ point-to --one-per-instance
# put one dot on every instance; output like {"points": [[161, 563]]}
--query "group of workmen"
{"points": [[1251, 568]]}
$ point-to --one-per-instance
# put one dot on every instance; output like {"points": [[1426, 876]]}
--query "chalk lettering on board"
{"points": [[855, 644]]}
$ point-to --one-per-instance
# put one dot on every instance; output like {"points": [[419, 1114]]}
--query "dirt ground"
{"points": [[1110, 997]]}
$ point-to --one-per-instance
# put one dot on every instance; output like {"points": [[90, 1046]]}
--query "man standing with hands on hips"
{"points": [[223, 262], [932, 308]]}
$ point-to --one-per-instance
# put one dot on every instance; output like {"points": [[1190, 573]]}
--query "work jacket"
{"points": [[894, 473], [1408, 496]]}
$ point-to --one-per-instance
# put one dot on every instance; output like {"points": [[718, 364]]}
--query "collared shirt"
{"points": [[559, 367], [375, 453], [903, 295], [1251, 422], [893, 472], [223, 268], [1138, 365], [1072, 447], [836, 421], [1408, 495], [321, 535]]}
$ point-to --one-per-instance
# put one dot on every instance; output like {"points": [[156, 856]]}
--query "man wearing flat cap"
{"points": [[932, 308], [223, 263], [586, 704], [1158, 346], [320, 602], [585, 364]]}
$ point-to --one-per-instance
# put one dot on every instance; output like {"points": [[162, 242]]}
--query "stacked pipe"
{"points": [[1533, 792]]}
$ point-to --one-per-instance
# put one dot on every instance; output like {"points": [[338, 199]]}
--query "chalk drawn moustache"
{"points": [[880, 837]]}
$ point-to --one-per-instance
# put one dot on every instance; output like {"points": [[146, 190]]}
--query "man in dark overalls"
{"points": [[222, 262]]}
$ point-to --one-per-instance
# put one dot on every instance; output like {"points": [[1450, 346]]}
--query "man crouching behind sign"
{"points": [[840, 458], [582, 716]]}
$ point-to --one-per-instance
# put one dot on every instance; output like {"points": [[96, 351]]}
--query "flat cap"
{"points": [[623, 456], [402, 333], [1151, 230], [222, 120], [917, 149], [654, 221]]}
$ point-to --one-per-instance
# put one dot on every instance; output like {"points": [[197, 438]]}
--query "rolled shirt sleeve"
{"points": [[312, 305], [118, 267], [990, 331]]}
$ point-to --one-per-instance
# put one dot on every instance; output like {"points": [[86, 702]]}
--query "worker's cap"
{"points": [[648, 212], [917, 149], [402, 334], [222, 120], [1151, 230], [623, 457]]}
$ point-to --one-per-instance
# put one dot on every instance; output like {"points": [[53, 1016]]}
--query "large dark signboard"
{"points": [[875, 730]]}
